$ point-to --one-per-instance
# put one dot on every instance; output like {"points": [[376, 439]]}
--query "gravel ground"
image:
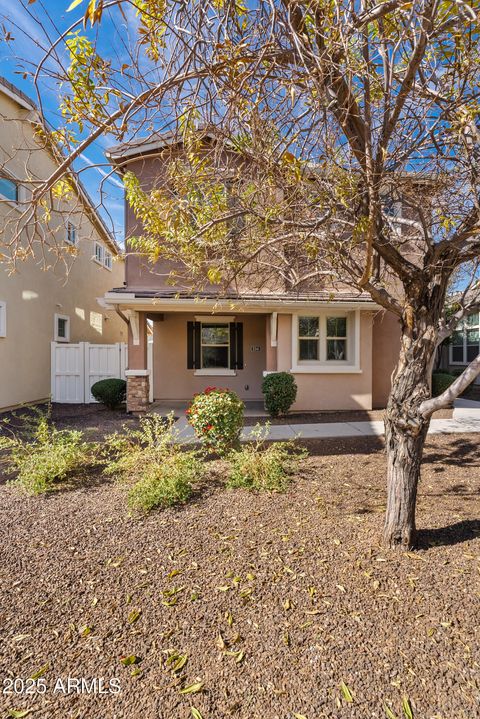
{"points": [[275, 600]]}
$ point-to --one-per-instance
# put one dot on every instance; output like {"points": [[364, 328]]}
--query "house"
{"points": [[52, 295], [341, 348]]}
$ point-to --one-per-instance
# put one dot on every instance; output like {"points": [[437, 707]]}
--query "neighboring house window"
{"points": [[107, 260], [62, 328], [9, 189], [326, 342], [71, 236], [215, 346], [465, 344], [3, 318]]}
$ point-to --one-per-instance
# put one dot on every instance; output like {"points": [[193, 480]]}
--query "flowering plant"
{"points": [[216, 415]]}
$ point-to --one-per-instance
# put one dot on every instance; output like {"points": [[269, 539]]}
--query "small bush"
{"points": [[216, 415], [41, 456], [440, 382], [256, 466], [159, 471], [280, 392], [110, 392]]}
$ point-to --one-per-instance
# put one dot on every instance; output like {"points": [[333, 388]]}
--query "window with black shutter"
{"points": [[214, 345]]}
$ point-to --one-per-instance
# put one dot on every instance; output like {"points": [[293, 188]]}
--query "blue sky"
{"points": [[32, 27]]}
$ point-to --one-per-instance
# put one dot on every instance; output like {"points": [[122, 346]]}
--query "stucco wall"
{"points": [[33, 295], [386, 344], [330, 391], [173, 381]]}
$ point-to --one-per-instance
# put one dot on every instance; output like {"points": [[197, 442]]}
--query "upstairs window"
{"points": [[9, 189], [98, 253], [107, 260], [71, 234], [3, 318]]}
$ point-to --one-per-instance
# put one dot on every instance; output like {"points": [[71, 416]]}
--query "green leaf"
{"points": [[389, 713], [74, 4], [18, 714], [195, 713], [407, 708], [134, 615], [192, 688], [127, 661], [347, 695]]}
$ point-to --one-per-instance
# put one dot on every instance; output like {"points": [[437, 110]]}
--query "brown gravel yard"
{"points": [[275, 599], [372, 415]]}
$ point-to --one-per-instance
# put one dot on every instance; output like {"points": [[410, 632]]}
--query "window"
{"points": [[215, 346], [465, 343], [9, 189], [308, 338], [3, 318], [336, 338], [98, 253], [62, 328], [326, 342], [71, 236], [107, 260]]}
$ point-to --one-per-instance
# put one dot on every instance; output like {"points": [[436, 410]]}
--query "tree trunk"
{"points": [[405, 432]]}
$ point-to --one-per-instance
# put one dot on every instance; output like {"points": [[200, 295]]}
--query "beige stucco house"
{"points": [[341, 348], [52, 295]]}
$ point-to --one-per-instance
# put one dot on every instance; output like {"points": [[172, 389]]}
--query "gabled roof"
{"points": [[14, 93], [146, 145]]}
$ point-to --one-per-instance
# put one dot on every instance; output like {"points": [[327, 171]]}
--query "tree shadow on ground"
{"points": [[456, 450], [463, 531]]}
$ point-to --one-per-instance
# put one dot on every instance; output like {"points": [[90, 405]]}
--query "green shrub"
{"points": [[41, 456], [160, 473], [216, 415], [261, 467], [280, 391], [440, 382], [110, 392]]}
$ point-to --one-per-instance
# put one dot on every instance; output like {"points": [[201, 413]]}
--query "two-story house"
{"points": [[53, 294], [341, 348]]}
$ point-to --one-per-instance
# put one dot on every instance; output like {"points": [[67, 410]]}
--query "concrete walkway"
{"points": [[466, 418]]}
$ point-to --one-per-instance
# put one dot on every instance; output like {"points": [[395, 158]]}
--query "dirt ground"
{"points": [[344, 416], [277, 605]]}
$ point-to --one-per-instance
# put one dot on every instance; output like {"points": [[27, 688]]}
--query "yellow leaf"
{"points": [[407, 708], [347, 695], [389, 713], [192, 688], [195, 713], [74, 4]]}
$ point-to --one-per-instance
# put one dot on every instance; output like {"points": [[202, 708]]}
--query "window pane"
{"points": [[472, 319], [336, 326], [308, 327], [9, 189], [308, 349], [457, 354], [472, 352], [215, 357], [472, 337], [336, 349], [62, 327], [457, 339], [215, 334]]}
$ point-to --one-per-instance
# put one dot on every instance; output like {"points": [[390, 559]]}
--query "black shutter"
{"points": [[193, 345], [236, 345]]}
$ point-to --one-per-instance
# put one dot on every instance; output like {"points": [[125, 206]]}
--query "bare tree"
{"points": [[304, 125]]}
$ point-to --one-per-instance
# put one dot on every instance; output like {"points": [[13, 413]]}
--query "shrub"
{"points": [[159, 471], [440, 382], [256, 466], [110, 392], [41, 456], [216, 415], [280, 392]]}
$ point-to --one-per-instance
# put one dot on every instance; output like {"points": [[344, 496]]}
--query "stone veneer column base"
{"points": [[138, 386]]}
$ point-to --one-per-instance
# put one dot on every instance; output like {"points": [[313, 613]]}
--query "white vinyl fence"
{"points": [[76, 367]]}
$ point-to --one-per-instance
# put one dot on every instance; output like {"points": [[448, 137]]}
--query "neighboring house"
{"points": [[59, 303], [463, 346], [341, 349]]}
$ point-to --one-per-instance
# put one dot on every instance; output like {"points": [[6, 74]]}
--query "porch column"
{"points": [[137, 374], [271, 324]]}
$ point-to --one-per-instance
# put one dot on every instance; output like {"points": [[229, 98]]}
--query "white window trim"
{"points": [[462, 328], [22, 192], [99, 262], [215, 371], [3, 318], [55, 328], [324, 366]]}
